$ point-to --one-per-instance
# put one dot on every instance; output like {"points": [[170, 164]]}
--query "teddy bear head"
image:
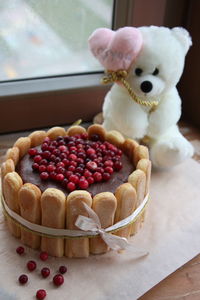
{"points": [[159, 64], [153, 56]]}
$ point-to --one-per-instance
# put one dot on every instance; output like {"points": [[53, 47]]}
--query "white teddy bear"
{"points": [[154, 59]]}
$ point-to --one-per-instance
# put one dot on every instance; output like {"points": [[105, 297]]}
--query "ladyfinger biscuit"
{"points": [[12, 183], [54, 132], [24, 144], [37, 137], [139, 153], [115, 137], [145, 165], [129, 146], [13, 153], [138, 181], [30, 209], [98, 130], [53, 215], [104, 205], [76, 129], [126, 203], [78, 247], [7, 167]]}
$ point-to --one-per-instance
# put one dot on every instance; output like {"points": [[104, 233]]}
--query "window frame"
{"points": [[74, 93]]}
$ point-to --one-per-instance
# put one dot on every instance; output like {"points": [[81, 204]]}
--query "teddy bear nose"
{"points": [[146, 86]]}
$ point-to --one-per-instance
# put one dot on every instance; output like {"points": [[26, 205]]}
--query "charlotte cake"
{"points": [[113, 179]]}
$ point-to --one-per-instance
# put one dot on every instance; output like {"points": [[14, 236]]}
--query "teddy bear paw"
{"points": [[166, 154]]}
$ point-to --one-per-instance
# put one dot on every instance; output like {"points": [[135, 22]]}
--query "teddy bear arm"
{"points": [[122, 114], [166, 115]]}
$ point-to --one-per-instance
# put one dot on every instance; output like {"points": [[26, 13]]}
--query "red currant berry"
{"points": [[71, 186], [47, 140], [20, 250], [106, 176], [57, 160], [71, 168], [37, 158], [52, 157], [32, 151], [73, 163], [54, 144], [91, 165], [90, 151], [87, 173], [58, 279], [51, 168], [93, 156], [80, 160], [72, 148], [44, 146], [35, 166], [117, 165], [81, 154], [45, 272], [62, 148], [72, 157], [74, 179], [63, 269], [66, 162], [100, 170], [46, 154], [109, 170], [65, 182], [83, 183], [79, 170], [68, 174], [43, 162], [84, 136], [23, 279], [60, 177], [41, 294], [60, 170], [119, 152], [44, 255], [42, 168], [90, 180], [63, 155], [60, 164], [44, 175], [53, 175], [97, 176], [108, 163], [31, 265]]}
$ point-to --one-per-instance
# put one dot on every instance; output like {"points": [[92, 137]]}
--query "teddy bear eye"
{"points": [[156, 71], [138, 71]]}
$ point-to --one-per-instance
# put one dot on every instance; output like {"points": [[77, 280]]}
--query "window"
{"points": [[37, 87], [45, 38]]}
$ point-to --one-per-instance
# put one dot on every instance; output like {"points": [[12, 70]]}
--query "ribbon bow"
{"points": [[93, 224]]}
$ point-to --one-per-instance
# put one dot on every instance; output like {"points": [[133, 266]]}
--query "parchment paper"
{"points": [[171, 235]]}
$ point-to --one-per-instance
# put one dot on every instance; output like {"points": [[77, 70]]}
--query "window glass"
{"points": [[49, 37]]}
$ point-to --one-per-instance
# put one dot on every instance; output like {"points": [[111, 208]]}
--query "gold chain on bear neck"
{"points": [[114, 76]]}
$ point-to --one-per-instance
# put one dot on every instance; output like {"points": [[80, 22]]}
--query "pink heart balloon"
{"points": [[116, 50]]}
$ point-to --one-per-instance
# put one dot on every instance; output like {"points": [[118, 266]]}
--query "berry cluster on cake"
{"points": [[48, 175]]}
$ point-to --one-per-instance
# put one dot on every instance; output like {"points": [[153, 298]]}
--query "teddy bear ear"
{"points": [[183, 36]]}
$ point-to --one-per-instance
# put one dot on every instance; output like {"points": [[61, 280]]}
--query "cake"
{"points": [[47, 176]]}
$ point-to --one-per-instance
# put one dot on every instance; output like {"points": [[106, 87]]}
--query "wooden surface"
{"points": [[184, 284]]}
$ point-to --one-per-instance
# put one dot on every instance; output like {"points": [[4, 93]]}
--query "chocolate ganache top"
{"points": [[24, 169]]}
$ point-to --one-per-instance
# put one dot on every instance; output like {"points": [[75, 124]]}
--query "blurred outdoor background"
{"points": [[49, 37]]}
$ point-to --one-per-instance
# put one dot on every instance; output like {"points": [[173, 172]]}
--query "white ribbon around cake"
{"points": [[90, 226]]}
